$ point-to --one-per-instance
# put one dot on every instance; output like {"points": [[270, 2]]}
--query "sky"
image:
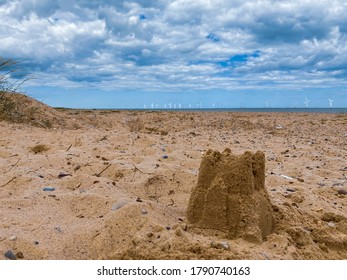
{"points": [[182, 53]]}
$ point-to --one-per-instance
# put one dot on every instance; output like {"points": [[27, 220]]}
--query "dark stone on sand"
{"points": [[61, 175], [19, 255], [165, 157], [342, 192], [48, 189], [10, 255], [78, 167], [290, 190]]}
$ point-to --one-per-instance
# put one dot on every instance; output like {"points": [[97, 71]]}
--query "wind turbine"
{"points": [[306, 102], [331, 102], [295, 103]]}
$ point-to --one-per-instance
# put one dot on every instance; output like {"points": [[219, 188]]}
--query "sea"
{"points": [[251, 110]]}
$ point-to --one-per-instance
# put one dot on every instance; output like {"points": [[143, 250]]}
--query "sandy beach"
{"points": [[99, 184]]}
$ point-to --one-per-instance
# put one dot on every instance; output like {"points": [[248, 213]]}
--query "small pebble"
{"points": [[287, 177], [225, 245], [220, 245], [58, 229], [331, 224], [61, 175], [13, 238], [78, 167], [19, 255], [48, 189], [184, 227], [342, 192], [290, 190], [168, 227], [144, 211], [165, 157], [10, 255], [171, 192], [119, 204]]}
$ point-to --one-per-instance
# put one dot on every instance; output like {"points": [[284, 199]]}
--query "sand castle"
{"points": [[230, 196]]}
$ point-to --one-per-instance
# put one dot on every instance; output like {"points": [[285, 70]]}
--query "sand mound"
{"points": [[230, 196], [19, 108]]}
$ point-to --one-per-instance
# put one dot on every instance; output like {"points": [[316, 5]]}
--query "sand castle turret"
{"points": [[230, 196]]}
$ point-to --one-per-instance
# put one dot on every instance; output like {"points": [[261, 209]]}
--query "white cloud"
{"points": [[178, 45]]}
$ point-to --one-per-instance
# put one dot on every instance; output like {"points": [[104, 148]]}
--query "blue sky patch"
{"points": [[238, 59], [213, 37]]}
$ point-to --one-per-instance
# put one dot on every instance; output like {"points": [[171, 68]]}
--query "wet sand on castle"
{"points": [[118, 184]]}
